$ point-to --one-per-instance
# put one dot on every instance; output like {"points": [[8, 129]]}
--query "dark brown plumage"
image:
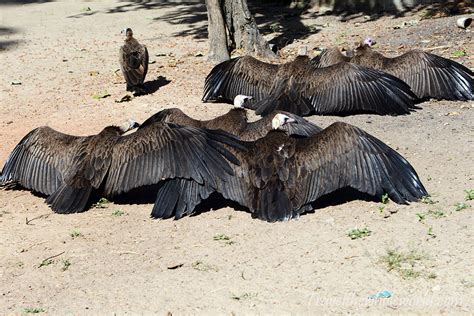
{"points": [[300, 88], [235, 122], [280, 176], [68, 168], [133, 59], [428, 75]]}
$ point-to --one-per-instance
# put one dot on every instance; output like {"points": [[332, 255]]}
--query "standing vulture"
{"points": [[280, 176], [429, 75], [300, 88], [133, 62], [69, 168], [235, 122]]}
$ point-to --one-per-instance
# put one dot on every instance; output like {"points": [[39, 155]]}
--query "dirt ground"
{"points": [[55, 56]]}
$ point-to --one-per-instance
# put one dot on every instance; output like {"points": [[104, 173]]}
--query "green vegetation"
{"points": [[244, 296], [357, 233], [118, 213], [404, 263], [45, 263], [437, 213], [421, 216], [224, 238], [461, 206], [431, 233], [75, 234], [102, 203], [201, 266], [34, 310], [66, 264], [459, 53], [428, 200], [469, 194]]}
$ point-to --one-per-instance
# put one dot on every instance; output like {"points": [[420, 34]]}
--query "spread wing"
{"points": [[345, 87], [179, 197], [163, 151], [41, 160], [432, 76], [345, 156], [243, 75]]}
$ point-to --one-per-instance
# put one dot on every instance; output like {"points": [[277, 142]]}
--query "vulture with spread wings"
{"points": [[301, 88], [280, 176], [69, 168], [428, 75]]}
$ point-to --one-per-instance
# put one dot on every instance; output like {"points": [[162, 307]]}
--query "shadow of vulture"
{"points": [[73, 170], [280, 176], [153, 85]]}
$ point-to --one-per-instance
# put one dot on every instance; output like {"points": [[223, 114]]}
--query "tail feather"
{"points": [[274, 204], [68, 200], [179, 197]]}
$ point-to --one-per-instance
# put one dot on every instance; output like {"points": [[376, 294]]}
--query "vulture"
{"points": [[301, 88], [428, 75], [68, 169], [133, 62], [280, 176], [235, 122]]}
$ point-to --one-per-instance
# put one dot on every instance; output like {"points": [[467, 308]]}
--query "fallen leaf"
{"points": [[176, 266], [101, 95], [459, 53], [452, 113]]}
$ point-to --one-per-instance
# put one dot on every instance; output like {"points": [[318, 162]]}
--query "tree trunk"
{"points": [[239, 31], [218, 51]]}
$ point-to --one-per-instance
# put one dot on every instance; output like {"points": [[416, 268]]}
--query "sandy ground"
{"points": [[117, 260]]}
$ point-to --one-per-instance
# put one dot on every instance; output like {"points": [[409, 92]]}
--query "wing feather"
{"points": [[40, 160], [343, 155], [242, 75], [172, 151], [345, 87]]}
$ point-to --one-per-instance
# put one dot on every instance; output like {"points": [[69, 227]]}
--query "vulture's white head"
{"points": [[127, 32], [369, 41], [240, 100], [281, 119], [303, 50], [128, 125]]}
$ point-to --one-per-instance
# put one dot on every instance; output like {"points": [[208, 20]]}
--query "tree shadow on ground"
{"points": [[20, 2], [7, 43], [283, 18]]}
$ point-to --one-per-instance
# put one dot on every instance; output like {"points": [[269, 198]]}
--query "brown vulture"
{"points": [[69, 168], [301, 88], [280, 176], [133, 59]]}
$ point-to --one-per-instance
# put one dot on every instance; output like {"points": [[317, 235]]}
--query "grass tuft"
{"points": [[357, 233]]}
